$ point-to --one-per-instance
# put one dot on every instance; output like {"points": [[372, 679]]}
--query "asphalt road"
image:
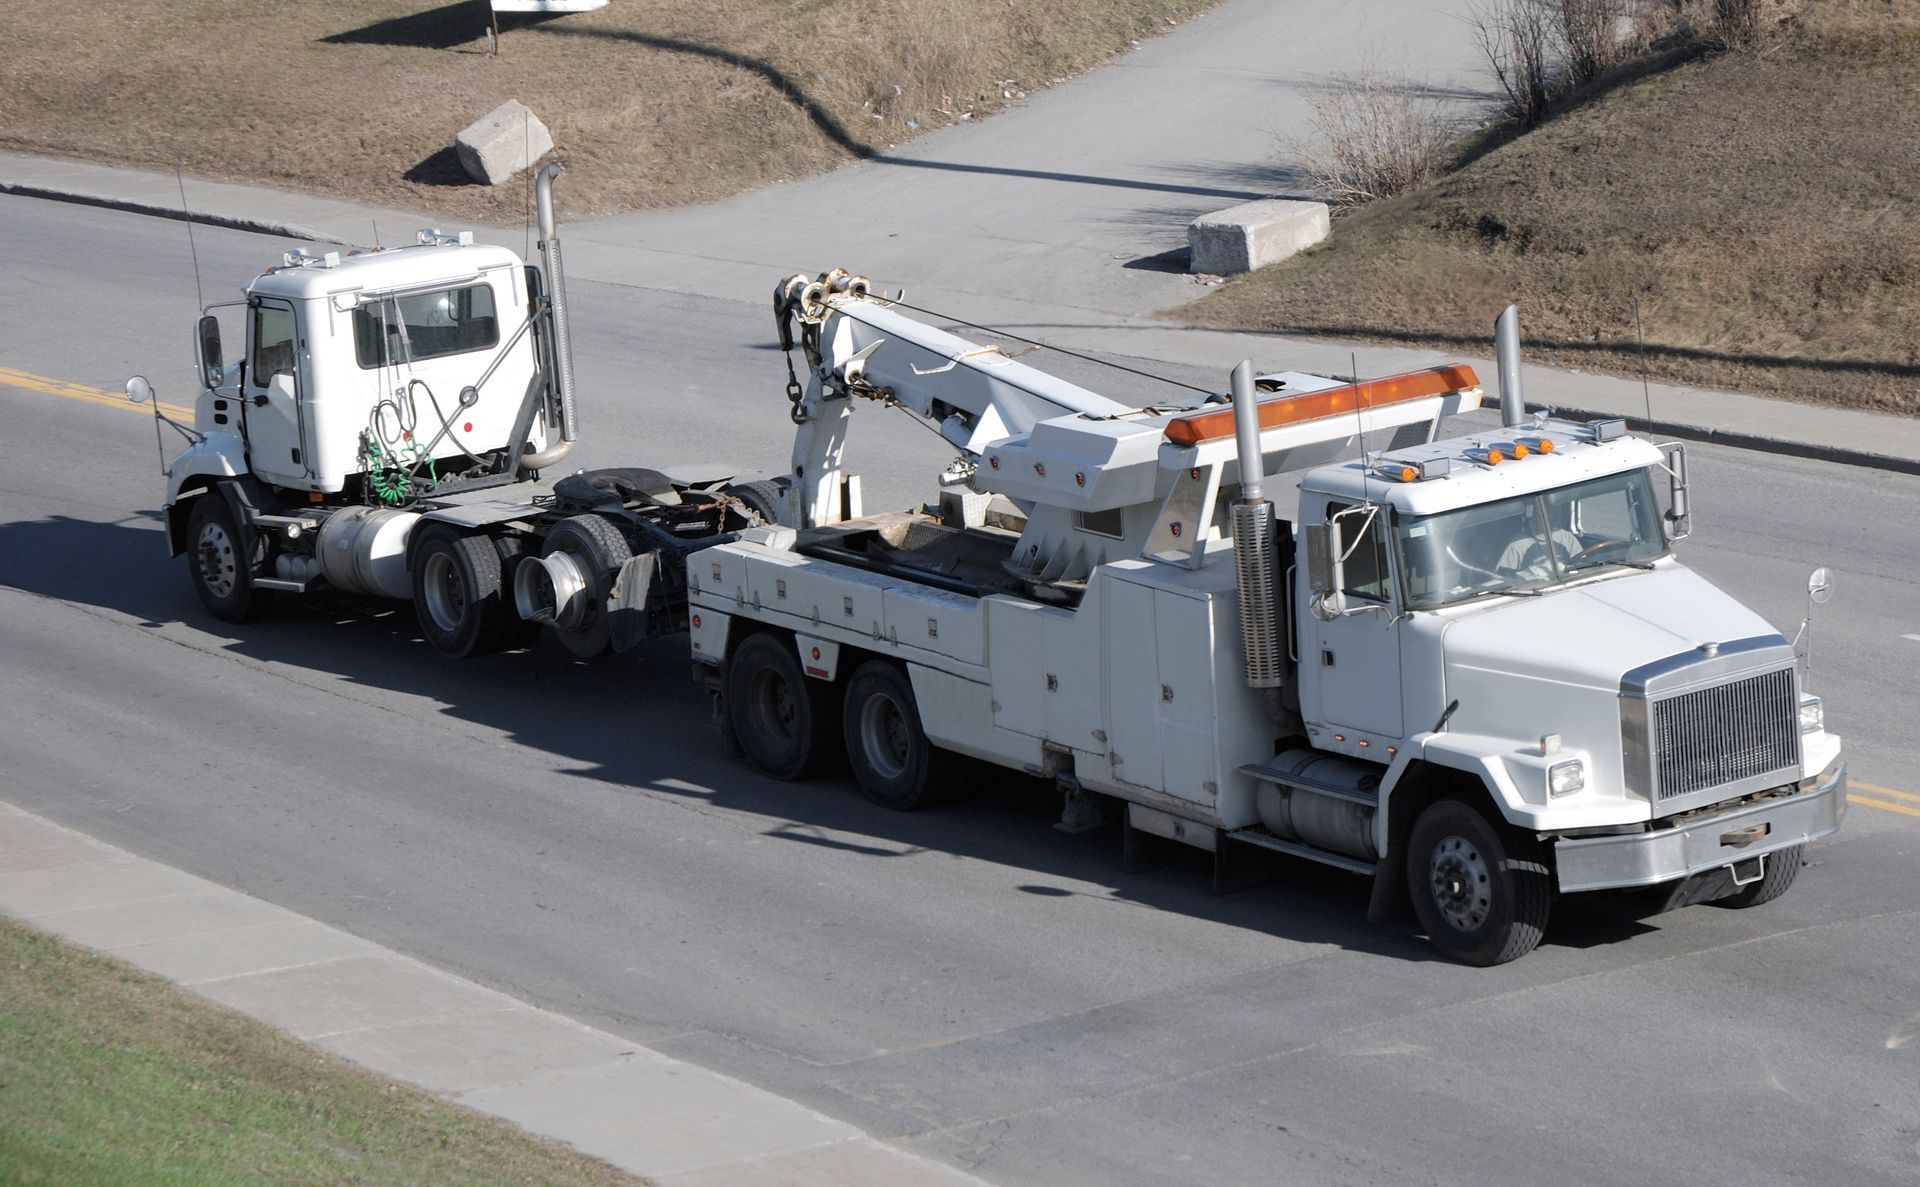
{"points": [[967, 981]]}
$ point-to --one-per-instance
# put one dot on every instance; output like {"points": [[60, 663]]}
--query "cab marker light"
{"points": [[1537, 444]]}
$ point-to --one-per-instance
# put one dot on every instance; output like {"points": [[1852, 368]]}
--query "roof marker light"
{"points": [[1537, 444]]}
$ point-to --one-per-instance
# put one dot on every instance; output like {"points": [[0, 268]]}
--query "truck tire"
{"points": [[599, 549], [222, 573], [1783, 866], [784, 722], [892, 760], [1481, 891], [457, 593], [762, 498]]}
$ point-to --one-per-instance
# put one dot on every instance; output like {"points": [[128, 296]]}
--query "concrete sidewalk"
{"points": [[672, 1122], [624, 252]]}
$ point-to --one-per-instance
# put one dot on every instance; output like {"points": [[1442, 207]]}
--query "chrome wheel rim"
{"points": [[445, 593], [885, 736], [1462, 884], [219, 566]]}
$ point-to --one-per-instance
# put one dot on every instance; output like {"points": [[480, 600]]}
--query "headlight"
{"points": [[1566, 778], [1812, 717]]}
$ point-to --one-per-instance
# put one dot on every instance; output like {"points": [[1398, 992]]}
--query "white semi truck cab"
{"points": [[383, 433], [1470, 667]]}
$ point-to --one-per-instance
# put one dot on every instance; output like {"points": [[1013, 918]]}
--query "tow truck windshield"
{"points": [[1530, 543]]}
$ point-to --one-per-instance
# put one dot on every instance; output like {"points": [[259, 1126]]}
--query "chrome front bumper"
{"points": [[1707, 843]]}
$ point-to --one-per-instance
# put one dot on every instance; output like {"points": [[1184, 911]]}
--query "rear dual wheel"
{"points": [[786, 723], [892, 760], [457, 593]]}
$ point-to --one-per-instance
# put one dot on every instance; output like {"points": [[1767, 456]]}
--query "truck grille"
{"points": [[1715, 736]]}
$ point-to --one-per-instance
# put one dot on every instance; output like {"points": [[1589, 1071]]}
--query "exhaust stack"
{"points": [[562, 344], [1506, 341], [1253, 547]]}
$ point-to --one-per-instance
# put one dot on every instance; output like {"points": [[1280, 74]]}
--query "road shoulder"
{"points": [[670, 1121]]}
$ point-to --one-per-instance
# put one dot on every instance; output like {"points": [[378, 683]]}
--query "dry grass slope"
{"points": [[652, 102], [1761, 206]]}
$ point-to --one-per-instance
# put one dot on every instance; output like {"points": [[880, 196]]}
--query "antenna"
{"points": [[1640, 342], [186, 216], [1359, 423]]}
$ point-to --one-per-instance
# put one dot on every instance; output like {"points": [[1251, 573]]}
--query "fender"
{"points": [[206, 461]]}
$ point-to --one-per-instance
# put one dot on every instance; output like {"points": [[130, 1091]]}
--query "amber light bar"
{"points": [[1286, 410]]}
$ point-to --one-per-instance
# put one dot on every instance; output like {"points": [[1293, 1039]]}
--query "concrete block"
{"points": [[1252, 235], [502, 142]]}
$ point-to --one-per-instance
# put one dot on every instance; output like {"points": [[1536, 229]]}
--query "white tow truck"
{"points": [[383, 433], [1470, 667]]}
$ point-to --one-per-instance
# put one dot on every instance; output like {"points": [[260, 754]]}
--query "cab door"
{"points": [[1350, 666], [271, 399]]}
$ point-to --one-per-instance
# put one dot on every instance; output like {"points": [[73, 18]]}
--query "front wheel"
{"points": [[1482, 892], [221, 564], [892, 760], [1783, 866]]}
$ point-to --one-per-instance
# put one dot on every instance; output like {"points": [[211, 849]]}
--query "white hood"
{"points": [[1592, 634]]}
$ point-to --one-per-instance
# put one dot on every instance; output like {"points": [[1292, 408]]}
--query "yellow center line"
{"points": [[28, 381], [1864, 802], [1877, 790]]}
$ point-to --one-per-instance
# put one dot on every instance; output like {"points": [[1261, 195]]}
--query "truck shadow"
{"points": [[640, 724]]}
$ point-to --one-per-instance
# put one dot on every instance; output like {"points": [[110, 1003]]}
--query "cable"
{"points": [[1073, 354]]}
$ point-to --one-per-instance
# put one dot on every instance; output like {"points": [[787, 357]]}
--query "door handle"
{"points": [[1326, 657]]}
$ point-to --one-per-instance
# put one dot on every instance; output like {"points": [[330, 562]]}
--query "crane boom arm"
{"points": [[860, 346]]}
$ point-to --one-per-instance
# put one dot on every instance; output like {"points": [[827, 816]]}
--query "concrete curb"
{"points": [[672, 1122], [135, 206], [1759, 442]]}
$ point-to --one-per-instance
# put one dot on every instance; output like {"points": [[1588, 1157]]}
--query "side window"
{"points": [[272, 343], [1366, 564], [425, 326]]}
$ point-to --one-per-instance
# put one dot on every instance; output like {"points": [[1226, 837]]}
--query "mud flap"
{"points": [[627, 605]]}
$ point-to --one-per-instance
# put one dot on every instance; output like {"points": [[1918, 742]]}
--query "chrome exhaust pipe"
{"points": [[1253, 544], [1506, 343], [562, 344]]}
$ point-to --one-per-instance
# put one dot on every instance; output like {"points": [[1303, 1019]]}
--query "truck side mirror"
{"points": [[1324, 575], [206, 341], [1679, 523], [1320, 552]]}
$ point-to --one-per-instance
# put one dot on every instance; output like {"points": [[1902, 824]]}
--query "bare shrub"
{"points": [[1517, 38], [1593, 36], [1736, 23], [1374, 136]]}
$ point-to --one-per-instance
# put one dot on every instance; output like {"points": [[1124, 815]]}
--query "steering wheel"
{"points": [[1595, 549]]}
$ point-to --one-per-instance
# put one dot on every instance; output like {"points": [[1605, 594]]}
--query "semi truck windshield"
{"points": [[1530, 542]]}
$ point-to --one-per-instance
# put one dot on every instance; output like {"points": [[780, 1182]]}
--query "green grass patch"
{"points": [[110, 1076], [1761, 207]]}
